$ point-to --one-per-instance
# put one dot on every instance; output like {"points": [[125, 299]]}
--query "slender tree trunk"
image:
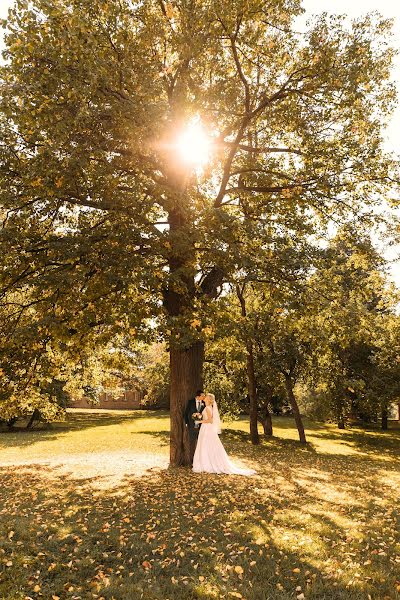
{"points": [[35, 416], [267, 423], [252, 390], [341, 423], [251, 375], [186, 377], [295, 408], [384, 417], [264, 414]]}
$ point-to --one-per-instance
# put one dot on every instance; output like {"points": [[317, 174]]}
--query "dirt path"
{"points": [[105, 469]]}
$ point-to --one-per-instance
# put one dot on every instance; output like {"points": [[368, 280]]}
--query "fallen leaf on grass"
{"points": [[239, 570]]}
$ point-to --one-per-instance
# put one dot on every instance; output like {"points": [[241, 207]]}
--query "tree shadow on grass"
{"points": [[234, 439], [76, 421], [162, 436], [180, 536], [374, 444], [238, 442], [288, 422]]}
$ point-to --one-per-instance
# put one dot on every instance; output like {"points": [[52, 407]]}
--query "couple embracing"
{"points": [[207, 453]]}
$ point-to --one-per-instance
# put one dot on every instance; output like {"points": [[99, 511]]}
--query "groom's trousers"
{"points": [[193, 435]]}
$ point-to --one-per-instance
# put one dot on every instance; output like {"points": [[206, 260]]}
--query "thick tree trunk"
{"points": [[384, 417], [295, 408], [186, 377], [186, 365], [252, 390]]}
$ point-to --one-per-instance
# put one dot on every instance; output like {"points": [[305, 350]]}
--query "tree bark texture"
{"points": [[251, 375], [186, 377], [252, 390], [384, 419], [295, 408], [264, 415], [35, 417], [186, 363]]}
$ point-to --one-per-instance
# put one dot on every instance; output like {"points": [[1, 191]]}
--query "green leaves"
{"points": [[104, 230]]}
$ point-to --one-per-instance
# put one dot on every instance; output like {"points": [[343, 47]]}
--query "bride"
{"points": [[210, 455]]}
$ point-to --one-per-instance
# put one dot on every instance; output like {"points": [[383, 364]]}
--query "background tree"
{"points": [[105, 222], [149, 372], [225, 369], [350, 323], [384, 381]]}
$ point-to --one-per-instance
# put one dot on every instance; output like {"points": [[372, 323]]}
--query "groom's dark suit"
{"points": [[193, 429]]}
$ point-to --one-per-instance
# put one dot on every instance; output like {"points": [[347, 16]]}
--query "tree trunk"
{"points": [[295, 408], [35, 417], [252, 390], [341, 423], [251, 375], [265, 417], [186, 364], [186, 377], [384, 417], [267, 423]]}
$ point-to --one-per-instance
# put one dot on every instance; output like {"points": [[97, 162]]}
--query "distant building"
{"points": [[124, 400]]}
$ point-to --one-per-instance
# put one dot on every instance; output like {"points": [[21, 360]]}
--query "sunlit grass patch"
{"points": [[312, 522]]}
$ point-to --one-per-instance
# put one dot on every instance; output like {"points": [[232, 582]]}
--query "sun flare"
{"points": [[194, 145]]}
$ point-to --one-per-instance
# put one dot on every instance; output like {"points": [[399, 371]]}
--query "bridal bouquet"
{"points": [[197, 416]]}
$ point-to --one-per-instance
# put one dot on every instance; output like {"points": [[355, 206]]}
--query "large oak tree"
{"points": [[105, 226]]}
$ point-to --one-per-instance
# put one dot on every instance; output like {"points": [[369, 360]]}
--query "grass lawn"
{"points": [[89, 509]]}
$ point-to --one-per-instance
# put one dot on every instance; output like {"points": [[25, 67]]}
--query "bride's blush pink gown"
{"points": [[210, 455]]}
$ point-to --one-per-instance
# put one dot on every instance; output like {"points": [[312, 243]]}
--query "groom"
{"points": [[194, 405]]}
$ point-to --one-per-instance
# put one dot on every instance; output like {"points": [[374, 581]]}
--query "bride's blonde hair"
{"points": [[211, 396]]}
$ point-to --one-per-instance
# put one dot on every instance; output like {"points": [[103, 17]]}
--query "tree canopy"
{"points": [[105, 228]]}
